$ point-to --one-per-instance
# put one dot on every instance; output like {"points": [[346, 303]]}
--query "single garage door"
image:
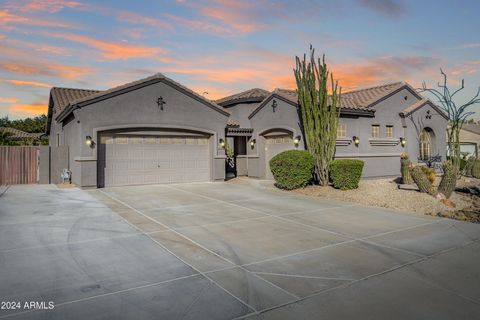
{"points": [[273, 146], [136, 159]]}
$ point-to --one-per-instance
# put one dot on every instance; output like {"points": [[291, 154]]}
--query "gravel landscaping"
{"points": [[388, 193]]}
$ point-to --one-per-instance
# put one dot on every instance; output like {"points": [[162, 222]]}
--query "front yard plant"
{"points": [[292, 169], [404, 164], [476, 169], [346, 173]]}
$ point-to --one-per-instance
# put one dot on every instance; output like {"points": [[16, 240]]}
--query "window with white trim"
{"points": [[341, 130], [375, 131], [389, 131]]}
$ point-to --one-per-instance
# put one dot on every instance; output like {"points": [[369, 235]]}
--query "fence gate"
{"points": [[18, 165]]}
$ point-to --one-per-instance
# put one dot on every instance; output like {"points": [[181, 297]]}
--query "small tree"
{"points": [[319, 112], [456, 114]]}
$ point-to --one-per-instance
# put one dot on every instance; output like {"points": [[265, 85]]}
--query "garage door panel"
{"points": [[274, 146], [132, 160]]}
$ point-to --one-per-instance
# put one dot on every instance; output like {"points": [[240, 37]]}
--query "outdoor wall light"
{"points": [[356, 140], [88, 141], [252, 143], [296, 140], [403, 141], [221, 142]]}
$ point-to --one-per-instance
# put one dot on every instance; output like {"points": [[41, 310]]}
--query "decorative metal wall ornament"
{"points": [[160, 102], [274, 105], [428, 115]]}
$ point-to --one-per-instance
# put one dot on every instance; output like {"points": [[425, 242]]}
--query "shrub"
{"points": [[292, 169], [430, 173], [346, 173]]}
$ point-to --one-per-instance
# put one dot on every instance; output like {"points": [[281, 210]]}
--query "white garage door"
{"points": [[134, 160], [273, 146]]}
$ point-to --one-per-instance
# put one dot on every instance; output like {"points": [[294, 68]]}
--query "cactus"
{"points": [[449, 179], [430, 173], [405, 163], [421, 179], [476, 169], [467, 170]]}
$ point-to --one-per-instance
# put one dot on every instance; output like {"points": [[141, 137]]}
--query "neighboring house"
{"points": [[157, 131], [470, 138], [19, 135]]}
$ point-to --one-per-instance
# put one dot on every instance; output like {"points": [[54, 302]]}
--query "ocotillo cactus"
{"points": [[476, 169], [405, 163], [421, 180], [449, 179], [467, 171]]}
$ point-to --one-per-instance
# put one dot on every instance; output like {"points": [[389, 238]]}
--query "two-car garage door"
{"points": [[148, 159]]}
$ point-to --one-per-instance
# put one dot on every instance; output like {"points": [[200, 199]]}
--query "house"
{"points": [[156, 130], [470, 138], [19, 135]]}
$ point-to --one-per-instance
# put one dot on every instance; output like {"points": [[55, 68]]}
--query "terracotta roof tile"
{"points": [[19, 134], [252, 95], [366, 97], [62, 97]]}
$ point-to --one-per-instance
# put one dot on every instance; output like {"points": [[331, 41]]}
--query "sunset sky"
{"points": [[224, 46]]}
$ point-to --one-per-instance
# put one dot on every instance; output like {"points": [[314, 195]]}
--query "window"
{"points": [[425, 144], [389, 132], [375, 131], [341, 130]]}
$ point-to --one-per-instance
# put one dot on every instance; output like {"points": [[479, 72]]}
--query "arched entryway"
{"points": [[426, 144]]}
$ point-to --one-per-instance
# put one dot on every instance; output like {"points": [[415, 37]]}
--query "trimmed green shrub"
{"points": [[346, 173], [292, 169]]}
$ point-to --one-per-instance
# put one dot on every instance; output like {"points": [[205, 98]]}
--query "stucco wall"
{"points": [[138, 109]]}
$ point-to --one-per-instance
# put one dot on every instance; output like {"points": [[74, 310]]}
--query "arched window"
{"points": [[425, 144]]}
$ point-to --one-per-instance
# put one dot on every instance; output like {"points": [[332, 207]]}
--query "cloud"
{"points": [[50, 6], [388, 8], [26, 83], [29, 109], [114, 51], [380, 69], [7, 19], [44, 68], [135, 18], [198, 25], [8, 100], [472, 45]]}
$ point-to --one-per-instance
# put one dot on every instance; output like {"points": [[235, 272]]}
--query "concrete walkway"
{"points": [[229, 250]]}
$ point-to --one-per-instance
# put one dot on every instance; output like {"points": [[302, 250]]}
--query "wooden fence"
{"points": [[18, 165]]}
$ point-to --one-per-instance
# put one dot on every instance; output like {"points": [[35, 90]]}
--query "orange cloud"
{"points": [[51, 6], [198, 25], [30, 109], [114, 51], [466, 70], [27, 83], [233, 15], [45, 69], [8, 100], [135, 18], [6, 18]]}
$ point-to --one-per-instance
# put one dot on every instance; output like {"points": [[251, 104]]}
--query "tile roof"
{"points": [[158, 77], [291, 95], [364, 98], [252, 95], [19, 134], [62, 97], [233, 123]]}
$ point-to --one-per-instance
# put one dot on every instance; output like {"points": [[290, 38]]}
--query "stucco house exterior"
{"points": [[470, 138], [156, 130]]}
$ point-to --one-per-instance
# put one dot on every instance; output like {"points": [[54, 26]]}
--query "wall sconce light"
{"points": [[296, 140], [403, 141], [221, 142], [356, 140], [252, 143], [88, 141]]}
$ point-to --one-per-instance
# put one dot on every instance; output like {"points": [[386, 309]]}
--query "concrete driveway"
{"points": [[228, 250]]}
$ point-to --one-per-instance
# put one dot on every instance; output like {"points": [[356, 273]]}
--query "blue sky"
{"points": [[223, 46]]}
